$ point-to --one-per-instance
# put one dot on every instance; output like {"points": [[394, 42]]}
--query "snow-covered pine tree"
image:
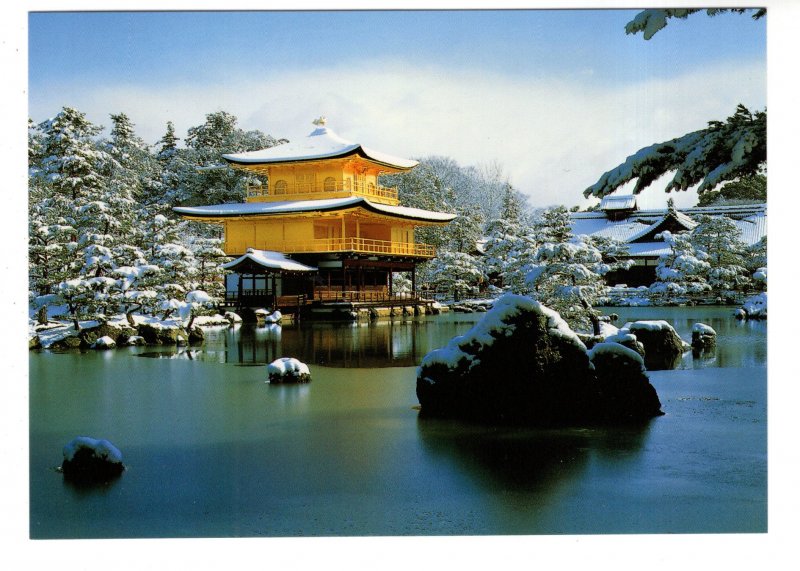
{"points": [[721, 152], [210, 179], [455, 273], [566, 271], [720, 239], [681, 271]]}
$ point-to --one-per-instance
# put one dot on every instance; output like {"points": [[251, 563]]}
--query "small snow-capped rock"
{"points": [[288, 370]]}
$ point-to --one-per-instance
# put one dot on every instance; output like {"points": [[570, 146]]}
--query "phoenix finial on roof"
{"points": [[320, 122]]}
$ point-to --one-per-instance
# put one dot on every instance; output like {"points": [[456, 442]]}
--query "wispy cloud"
{"points": [[554, 137]]}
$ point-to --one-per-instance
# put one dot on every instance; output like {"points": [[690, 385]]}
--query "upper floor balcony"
{"points": [[329, 188]]}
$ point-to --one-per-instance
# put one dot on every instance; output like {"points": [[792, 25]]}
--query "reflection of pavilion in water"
{"points": [[362, 345]]}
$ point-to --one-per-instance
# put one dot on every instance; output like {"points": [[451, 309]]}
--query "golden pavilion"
{"points": [[320, 229]]}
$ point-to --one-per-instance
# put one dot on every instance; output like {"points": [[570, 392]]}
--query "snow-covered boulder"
{"points": [[105, 342], [754, 307], [704, 338], [288, 370], [134, 340], [118, 332], [70, 341], [627, 340], [625, 392], [663, 347], [196, 335], [90, 460], [521, 364], [159, 334], [232, 318], [34, 342], [264, 316]]}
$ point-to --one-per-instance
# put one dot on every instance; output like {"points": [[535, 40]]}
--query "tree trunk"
{"points": [[129, 315], [592, 315], [41, 315]]}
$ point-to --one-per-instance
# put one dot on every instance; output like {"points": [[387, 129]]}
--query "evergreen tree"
{"points": [[751, 189], [209, 179], [455, 273], [566, 271], [680, 272], [719, 239]]}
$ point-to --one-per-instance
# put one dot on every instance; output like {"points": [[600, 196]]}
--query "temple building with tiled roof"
{"points": [[320, 207], [619, 218]]}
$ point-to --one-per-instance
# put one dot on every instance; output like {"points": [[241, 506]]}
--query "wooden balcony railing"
{"points": [[353, 244], [358, 188]]}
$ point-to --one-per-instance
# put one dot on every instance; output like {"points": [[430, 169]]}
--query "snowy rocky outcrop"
{"points": [[523, 364], [89, 460], [288, 370], [264, 316], [754, 307], [663, 347], [232, 318], [105, 342], [159, 334], [704, 338]]}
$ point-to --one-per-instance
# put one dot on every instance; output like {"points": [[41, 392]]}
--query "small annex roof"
{"points": [[269, 260], [621, 202], [305, 206], [321, 143]]}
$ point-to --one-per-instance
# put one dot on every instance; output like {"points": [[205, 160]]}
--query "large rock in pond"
{"points": [[625, 391], [663, 347], [522, 364], [89, 460]]}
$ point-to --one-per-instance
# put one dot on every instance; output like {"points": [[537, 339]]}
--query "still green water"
{"points": [[212, 450]]}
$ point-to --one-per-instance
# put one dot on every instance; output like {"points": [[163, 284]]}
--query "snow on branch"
{"points": [[649, 22], [721, 152]]}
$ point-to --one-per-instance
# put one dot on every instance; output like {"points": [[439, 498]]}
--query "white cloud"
{"points": [[553, 137]]}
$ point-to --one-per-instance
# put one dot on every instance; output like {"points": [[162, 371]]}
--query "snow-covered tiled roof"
{"points": [[750, 219], [270, 260], [304, 206], [622, 202], [602, 226], [321, 143], [681, 218]]}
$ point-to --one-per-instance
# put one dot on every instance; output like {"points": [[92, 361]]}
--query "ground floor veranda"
{"points": [[346, 280]]}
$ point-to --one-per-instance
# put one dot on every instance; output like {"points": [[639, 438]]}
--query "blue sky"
{"points": [[555, 97]]}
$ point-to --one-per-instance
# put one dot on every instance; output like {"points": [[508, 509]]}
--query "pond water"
{"points": [[212, 450]]}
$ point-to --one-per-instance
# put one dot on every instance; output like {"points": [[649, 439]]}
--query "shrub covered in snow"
{"points": [[288, 370], [522, 364], [90, 460], [754, 307]]}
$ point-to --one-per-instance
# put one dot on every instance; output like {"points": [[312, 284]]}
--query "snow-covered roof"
{"points": [[270, 260], [321, 143], [305, 206], [679, 217], [622, 202], [750, 219]]}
